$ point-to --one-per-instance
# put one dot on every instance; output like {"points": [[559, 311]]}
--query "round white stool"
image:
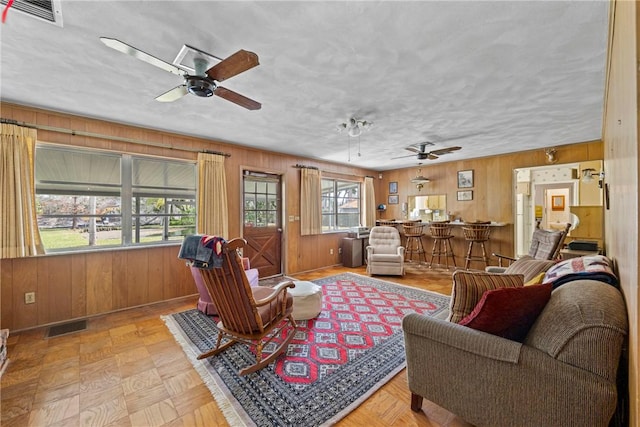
{"points": [[307, 300]]}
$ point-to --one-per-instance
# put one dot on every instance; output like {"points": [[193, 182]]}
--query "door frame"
{"points": [[538, 187], [244, 169]]}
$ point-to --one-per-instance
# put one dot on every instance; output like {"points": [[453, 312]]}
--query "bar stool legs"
{"points": [[414, 246], [442, 247], [476, 232], [470, 257]]}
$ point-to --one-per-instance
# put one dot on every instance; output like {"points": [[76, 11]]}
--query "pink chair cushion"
{"points": [[205, 304]]}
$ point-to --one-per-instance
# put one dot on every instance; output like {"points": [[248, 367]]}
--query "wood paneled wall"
{"points": [[80, 285], [621, 160], [74, 286], [493, 189], [85, 284]]}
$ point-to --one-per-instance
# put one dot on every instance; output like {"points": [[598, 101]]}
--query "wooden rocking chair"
{"points": [[253, 316]]}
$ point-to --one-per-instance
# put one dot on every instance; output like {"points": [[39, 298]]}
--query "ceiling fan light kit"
{"points": [[420, 180]]}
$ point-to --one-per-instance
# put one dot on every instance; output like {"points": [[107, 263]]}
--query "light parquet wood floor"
{"points": [[126, 369]]}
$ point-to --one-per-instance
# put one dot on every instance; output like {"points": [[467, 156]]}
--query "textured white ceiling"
{"points": [[510, 76]]}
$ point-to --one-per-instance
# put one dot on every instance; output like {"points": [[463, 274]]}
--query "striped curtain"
{"points": [[310, 202], [19, 234], [213, 212]]}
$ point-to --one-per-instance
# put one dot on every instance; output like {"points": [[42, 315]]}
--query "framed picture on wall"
{"points": [[393, 199], [557, 203], [465, 195], [393, 187], [465, 179]]}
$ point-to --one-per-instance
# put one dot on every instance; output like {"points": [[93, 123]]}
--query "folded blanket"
{"points": [[592, 267], [202, 251]]}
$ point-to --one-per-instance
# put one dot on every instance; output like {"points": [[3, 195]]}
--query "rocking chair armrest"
{"points": [[504, 257], [501, 257], [277, 290]]}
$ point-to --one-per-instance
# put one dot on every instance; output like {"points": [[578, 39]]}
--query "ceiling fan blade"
{"points": [[431, 156], [402, 157], [236, 98], [240, 61], [438, 139], [173, 94], [445, 151], [143, 56], [412, 149]]}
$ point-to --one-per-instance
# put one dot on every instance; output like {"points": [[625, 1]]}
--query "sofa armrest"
{"points": [[460, 337]]}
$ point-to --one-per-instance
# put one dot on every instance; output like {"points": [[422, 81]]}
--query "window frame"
{"points": [[335, 205], [129, 196]]}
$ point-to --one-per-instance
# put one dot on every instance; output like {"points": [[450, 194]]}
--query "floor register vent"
{"points": [[45, 10], [67, 328]]}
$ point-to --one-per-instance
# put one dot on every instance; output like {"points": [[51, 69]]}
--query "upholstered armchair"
{"points": [[385, 253]]}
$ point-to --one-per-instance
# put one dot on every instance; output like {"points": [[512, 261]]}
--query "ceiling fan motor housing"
{"points": [[200, 86]]}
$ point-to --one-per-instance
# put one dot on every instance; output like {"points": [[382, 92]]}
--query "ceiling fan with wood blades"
{"points": [[204, 81], [420, 151]]}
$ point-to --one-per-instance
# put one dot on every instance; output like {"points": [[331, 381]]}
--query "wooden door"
{"points": [[262, 224]]}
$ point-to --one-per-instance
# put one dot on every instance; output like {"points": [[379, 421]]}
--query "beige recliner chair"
{"points": [[385, 253]]}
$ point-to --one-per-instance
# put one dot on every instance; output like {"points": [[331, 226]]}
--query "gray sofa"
{"points": [[562, 374]]}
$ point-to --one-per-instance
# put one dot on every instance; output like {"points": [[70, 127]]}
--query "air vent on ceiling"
{"points": [[46, 10]]}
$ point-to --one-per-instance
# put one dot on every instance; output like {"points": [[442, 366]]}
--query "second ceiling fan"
{"points": [[420, 151]]}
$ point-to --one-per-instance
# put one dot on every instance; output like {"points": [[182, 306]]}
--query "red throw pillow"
{"points": [[509, 312]]}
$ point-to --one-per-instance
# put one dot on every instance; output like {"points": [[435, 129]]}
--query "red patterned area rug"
{"points": [[333, 364]]}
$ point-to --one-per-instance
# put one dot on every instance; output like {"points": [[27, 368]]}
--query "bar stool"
{"points": [[413, 233], [476, 232], [441, 234]]}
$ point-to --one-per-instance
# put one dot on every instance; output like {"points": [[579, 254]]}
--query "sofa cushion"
{"points": [[393, 258], [529, 267], [469, 286], [509, 312]]}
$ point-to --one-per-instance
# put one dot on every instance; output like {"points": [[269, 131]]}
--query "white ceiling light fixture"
{"points": [[355, 126], [354, 129]]}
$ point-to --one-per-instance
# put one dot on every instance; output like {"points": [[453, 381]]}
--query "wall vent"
{"points": [[44, 10]]}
